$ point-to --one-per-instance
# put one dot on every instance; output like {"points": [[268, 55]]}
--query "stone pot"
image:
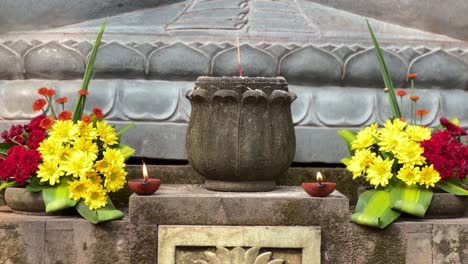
{"points": [[447, 205], [240, 135], [24, 202]]}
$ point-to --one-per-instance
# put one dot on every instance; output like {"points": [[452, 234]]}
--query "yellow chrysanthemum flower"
{"points": [[87, 146], [96, 197], [93, 177], [360, 161], [391, 139], [87, 130], [365, 138], [102, 166], [428, 176], [114, 156], [106, 133], [395, 125], [408, 174], [115, 179], [78, 189], [78, 164], [49, 170], [418, 133], [380, 171], [50, 148], [63, 130], [410, 153]]}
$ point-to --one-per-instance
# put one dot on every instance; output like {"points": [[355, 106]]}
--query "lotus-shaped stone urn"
{"points": [[240, 135]]}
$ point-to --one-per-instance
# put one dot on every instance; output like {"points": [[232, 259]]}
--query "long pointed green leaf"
{"points": [[107, 213], [124, 129], [7, 184], [414, 199], [385, 74], [349, 136], [452, 188], [126, 151], [57, 197], [80, 103], [373, 209]]}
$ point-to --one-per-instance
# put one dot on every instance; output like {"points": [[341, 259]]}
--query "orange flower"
{"points": [[65, 115], [414, 98], [411, 76], [42, 91], [402, 119], [98, 112], [50, 92], [61, 100], [401, 93], [39, 104], [47, 122], [86, 119], [422, 112], [83, 92]]}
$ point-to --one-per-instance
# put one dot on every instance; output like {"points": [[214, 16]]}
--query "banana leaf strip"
{"points": [[107, 213], [413, 200], [452, 188], [57, 197], [373, 209]]}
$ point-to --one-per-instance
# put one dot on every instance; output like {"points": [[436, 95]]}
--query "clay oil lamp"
{"points": [[319, 188], [145, 186]]}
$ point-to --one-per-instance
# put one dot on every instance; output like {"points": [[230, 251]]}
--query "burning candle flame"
{"points": [[319, 177], [145, 171]]}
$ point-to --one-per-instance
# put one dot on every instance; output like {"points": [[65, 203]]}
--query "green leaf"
{"points": [[57, 197], [124, 129], [80, 103], [107, 213], [4, 147], [7, 184], [126, 151], [35, 185], [349, 136], [373, 209], [345, 161], [413, 200], [452, 188], [385, 75]]}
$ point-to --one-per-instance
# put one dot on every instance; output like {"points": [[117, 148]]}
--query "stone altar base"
{"points": [[286, 206]]}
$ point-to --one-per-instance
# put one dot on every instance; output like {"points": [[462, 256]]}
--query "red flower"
{"points": [[16, 131], [7, 169], [43, 91], [65, 115], [5, 136], [39, 104], [414, 98], [50, 92], [34, 123], [401, 93], [15, 152], [86, 119], [422, 112], [35, 138], [29, 161], [61, 100], [412, 76], [83, 92], [19, 139], [452, 128], [98, 112], [47, 122]]}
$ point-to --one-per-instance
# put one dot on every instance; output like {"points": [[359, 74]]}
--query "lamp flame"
{"points": [[145, 171], [319, 177]]}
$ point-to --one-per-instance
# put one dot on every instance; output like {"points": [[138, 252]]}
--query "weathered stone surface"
{"points": [[420, 251], [53, 61], [143, 244], [362, 69], [12, 64], [312, 66], [429, 74], [177, 61], [255, 62], [450, 243], [239, 243], [117, 58], [285, 206]]}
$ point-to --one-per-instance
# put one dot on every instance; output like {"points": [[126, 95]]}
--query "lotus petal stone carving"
{"points": [[238, 255], [362, 69], [438, 69], [20, 46], [54, 61], [115, 58], [254, 61], [178, 61], [311, 65], [145, 48], [11, 66], [84, 47], [240, 129]]}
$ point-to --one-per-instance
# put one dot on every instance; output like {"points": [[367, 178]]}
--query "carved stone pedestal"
{"points": [[285, 222]]}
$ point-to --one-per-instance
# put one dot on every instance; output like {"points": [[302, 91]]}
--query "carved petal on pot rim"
{"points": [[282, 96], [256, 94], [226, 95], [197, 94]]}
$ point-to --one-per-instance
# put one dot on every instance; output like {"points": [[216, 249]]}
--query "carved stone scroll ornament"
{"points": [[238, 255]]}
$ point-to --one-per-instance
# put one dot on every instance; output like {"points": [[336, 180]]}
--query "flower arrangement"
{"points": [[404, 161], [75, 160]]}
